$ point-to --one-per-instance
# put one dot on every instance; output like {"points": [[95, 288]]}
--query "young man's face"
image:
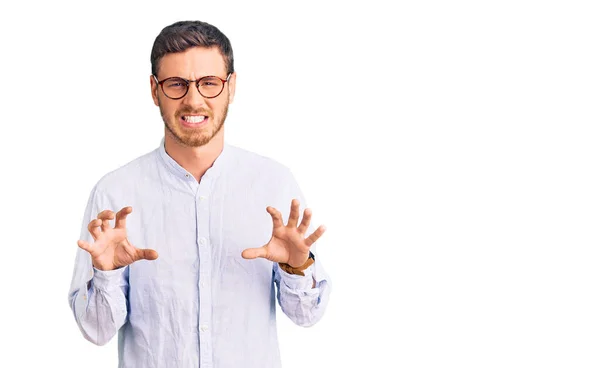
{"points": [[193, 120]]}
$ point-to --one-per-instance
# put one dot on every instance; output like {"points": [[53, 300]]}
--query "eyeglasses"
{"points": [[176, 88]]}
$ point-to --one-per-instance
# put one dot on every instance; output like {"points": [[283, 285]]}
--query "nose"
{"points": [[193, 97]]}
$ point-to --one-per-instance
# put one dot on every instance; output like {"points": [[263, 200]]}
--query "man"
{"points": [[189, 268]]}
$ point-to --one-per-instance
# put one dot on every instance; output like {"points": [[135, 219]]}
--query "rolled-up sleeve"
{"points": [[298, 300], [97, 298]]}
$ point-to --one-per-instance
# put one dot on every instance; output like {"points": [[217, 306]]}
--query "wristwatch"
{"points": [[300, 269]]}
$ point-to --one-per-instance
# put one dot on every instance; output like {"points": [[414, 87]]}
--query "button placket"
{"points": [[204, 285]]}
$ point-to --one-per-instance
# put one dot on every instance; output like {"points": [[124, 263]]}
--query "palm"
{"points": [[111, 249], [287, 246], [288, 243]]}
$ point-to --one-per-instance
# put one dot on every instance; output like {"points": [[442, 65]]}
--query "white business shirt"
{"points": [[200, 304]]}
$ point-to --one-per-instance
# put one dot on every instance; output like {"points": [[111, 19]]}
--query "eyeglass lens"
{"points": [[177, 87]]}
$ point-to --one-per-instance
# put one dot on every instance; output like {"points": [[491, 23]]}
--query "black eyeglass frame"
{"points": [[187, 85]]}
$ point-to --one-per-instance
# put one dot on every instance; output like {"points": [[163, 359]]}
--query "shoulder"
{"points": [[266, 177], [127, 174], [246, 161]]}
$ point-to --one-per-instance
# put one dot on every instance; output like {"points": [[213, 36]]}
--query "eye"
{"points": [[175, 84], [210, 82]]}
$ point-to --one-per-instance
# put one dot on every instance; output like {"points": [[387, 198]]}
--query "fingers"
{"points": [[315, 236], [305, 221], [276, 215], [148, 254], [252, 253], [84, 245], [121, 216], [94, 228], [105, 216], [294, 213]]}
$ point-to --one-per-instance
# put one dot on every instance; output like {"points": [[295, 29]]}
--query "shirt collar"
{"points": [[182, 173]]}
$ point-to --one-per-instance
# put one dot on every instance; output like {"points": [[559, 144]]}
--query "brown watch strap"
{"points": [[300, 269]]}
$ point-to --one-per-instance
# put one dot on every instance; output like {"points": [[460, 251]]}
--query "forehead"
{"points": [[193, 63]]}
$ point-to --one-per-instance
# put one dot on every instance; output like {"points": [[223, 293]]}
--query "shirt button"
{"points": [[204, 328], [202, 284], [202, 198], [203, 241]]}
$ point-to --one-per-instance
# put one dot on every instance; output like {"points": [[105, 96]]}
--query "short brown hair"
{"points": [[183, 35]]}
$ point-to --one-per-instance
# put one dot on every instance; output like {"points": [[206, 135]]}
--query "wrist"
{"points": [[102, 266], [299, 270]]}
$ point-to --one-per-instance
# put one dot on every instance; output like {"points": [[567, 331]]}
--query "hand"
{"points": [[287, 245], [111, 249]]}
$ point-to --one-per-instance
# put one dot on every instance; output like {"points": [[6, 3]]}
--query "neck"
{"points": [[195, 160]]}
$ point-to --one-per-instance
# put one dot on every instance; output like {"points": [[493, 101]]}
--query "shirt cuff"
{"points": [[106, 280], [296, 281]]}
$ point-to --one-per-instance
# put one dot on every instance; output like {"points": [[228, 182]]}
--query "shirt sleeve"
{"points": [[298, 300], [98, 299]]}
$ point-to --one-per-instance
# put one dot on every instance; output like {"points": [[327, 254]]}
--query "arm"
{"points": [[97, 298], [303, 298]]}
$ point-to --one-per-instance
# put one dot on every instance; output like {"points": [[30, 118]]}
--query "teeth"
{"points": [[193, 119]]}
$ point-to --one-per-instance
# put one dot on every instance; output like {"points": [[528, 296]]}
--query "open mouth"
{"points": [[193, 120]]}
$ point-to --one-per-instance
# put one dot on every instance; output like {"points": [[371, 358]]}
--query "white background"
{"points": [[451, 148]]}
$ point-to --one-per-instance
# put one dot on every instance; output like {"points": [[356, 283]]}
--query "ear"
{"points": [[154, 89], [231, 86]]}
